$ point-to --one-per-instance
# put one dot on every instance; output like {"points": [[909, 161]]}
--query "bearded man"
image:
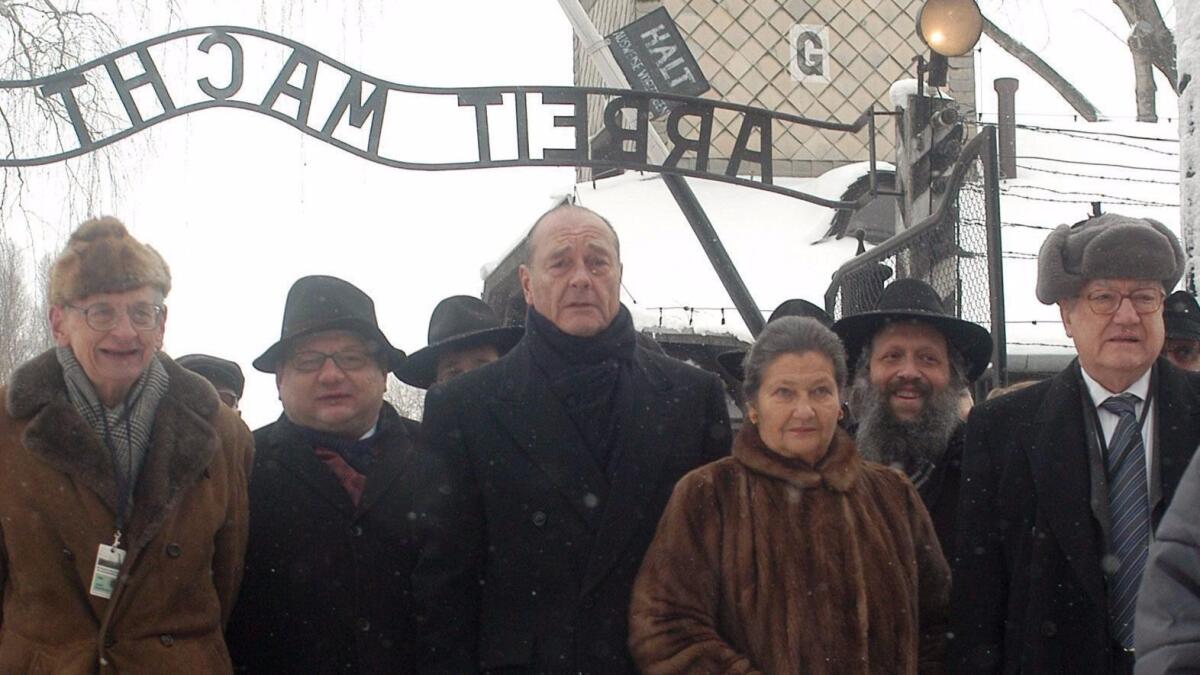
{"points": [[913, 361]]}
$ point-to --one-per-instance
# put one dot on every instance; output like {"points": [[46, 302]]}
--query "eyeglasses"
{"points": [[311, 361], [103, 316], [1144, 301]]}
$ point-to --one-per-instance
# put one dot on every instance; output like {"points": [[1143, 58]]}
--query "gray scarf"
{"points": [[125, 429]]}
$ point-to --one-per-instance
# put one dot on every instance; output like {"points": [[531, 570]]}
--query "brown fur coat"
{"points": [[766, 565], [185, 539]]}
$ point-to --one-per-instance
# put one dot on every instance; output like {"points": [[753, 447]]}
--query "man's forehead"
{"points": [[564, 225], [1120, 284], [912, 332], [329, 338]]}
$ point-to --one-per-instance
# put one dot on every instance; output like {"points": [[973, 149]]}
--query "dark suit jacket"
{"points": [[530, 549], [1029, 590], [327, 585]]}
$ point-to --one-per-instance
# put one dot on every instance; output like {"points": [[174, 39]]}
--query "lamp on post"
{"points": [[949, 28]]}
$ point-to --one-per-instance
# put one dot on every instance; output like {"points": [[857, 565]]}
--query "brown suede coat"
{"points": [[766, 565], [185, 538]]}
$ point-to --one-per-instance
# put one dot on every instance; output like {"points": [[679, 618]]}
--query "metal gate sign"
{"points": [[654, 57], [386, 122]]}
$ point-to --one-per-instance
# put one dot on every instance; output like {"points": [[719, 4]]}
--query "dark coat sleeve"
{"points": [[230, 546], [719, 439], [450, 527], [980, 593], [1168, 609]]}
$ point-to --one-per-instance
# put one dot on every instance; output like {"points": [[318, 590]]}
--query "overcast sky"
{"points": [[241, 205]]}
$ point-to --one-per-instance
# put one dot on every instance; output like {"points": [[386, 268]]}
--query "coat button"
{"points": [[174, 551], [166, 639], [589, 602], [1049, 629], [356, 531], [539, 518], [363, 624], [68, 554]]}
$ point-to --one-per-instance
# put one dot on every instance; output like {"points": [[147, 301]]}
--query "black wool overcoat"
{"points": [[530, 548], [1030, 591], [327, 586]]}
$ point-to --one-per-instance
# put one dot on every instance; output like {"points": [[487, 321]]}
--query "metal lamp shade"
{"points": [[950, 27]]}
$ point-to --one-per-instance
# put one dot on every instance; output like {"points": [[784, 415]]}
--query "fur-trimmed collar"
{"points": [[182, 441], [838, 470]]}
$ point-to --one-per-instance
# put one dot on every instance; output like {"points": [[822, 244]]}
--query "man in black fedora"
{"points": [[1064, 482], [224, 375], [464, 334], [542, 476], [1181, 315], [327, 570], [911, 362]]}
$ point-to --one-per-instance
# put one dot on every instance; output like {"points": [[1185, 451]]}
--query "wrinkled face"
{"points": [[910, 362], [115, 358], [1183, 353], [332, 399], [1115, 349], [797, 406], [574, 273], [452, 364]]}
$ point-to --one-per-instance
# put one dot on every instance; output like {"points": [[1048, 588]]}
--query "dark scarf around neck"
{"points": [[590, 376], [358, 452]]}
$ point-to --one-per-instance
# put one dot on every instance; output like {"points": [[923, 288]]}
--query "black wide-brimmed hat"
{"points": [[459, 322], [1181, 315], [731, 361], [913, 299], [220, 372], [320, 303]]}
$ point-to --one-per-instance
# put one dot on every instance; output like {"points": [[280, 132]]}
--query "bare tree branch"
{"points": [[1027, 56], [1154, 38]]}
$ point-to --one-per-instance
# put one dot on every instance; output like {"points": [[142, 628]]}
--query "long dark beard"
{"points": [[906, 445]]}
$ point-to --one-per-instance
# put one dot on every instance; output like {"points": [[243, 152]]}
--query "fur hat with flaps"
{"points": [[102, 257], [1107, 247]]}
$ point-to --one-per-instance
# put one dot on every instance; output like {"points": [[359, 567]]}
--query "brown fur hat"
{"points": [[1107, 247], [102, 257]]}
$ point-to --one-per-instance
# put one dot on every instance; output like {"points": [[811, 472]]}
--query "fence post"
{"points": [[991, 195]]}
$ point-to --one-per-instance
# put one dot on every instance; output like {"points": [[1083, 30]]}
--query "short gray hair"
{"points": [[791, 335]]}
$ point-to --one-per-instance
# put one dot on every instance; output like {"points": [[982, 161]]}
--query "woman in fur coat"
{"points": [[123, 509], [793, 555]]}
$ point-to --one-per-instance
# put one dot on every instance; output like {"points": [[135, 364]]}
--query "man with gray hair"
{"points": [[1065, 481], [912, 360]]}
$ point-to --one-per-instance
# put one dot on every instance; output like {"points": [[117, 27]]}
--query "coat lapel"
{"points": [[1062, 478], [540, 427], [298, 457], [392, 461], [1177, 427], [637, 468]]}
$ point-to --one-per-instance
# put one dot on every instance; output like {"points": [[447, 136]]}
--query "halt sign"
{"points": [[652, 54]]}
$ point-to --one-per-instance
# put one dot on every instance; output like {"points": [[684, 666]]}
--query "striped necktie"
{"points": [[1129, 511]]}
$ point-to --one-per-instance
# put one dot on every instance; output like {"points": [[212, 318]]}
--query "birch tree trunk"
{"points": [[1187, 37]]}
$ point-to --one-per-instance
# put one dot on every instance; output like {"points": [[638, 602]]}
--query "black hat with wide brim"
{"points": [[318, 303], [459, 322], [731, 361], [915, 300], [1181, 316]]}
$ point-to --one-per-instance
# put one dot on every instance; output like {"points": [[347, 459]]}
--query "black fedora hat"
{"points": [[319, 303], [913, 299], [731, 361], [1181, 315], [458, 322], [218, 371]]}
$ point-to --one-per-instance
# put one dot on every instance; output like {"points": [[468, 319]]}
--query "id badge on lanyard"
{"points": [[109, 559]]}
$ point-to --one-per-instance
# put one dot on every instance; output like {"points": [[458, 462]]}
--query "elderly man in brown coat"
{"points": [[122, 482]]}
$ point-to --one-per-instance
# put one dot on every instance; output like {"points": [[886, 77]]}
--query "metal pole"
{"points": [[594, 47], [1006, 91], [991, 193]]}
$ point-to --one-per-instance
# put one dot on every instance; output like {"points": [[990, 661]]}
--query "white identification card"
{"points": [[108, 568]]}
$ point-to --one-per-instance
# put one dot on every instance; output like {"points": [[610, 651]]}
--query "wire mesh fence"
{"points": [[956, 250]]}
